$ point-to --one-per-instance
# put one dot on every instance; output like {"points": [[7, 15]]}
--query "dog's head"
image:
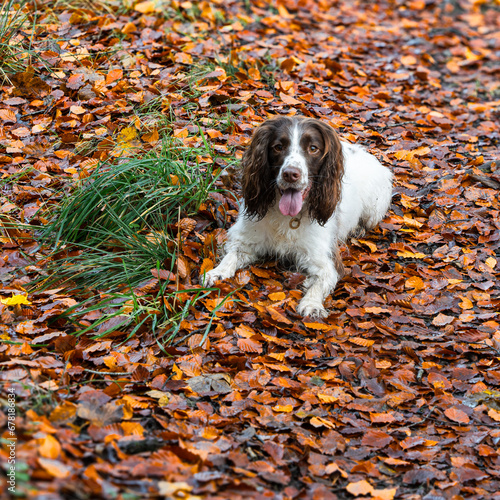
{"points": [[298, 160]]}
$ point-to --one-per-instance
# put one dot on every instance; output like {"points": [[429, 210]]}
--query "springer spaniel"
{"points": [[327, 189]]}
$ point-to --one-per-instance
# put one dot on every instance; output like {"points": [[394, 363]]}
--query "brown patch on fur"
{"points": [[337, 262], [325, 193], [259, 179]]}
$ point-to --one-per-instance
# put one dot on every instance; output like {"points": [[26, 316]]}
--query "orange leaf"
{"points": [[283, 408], [317, 326], [213, 134], [147, 7], [206, 265], [372, 246], [326, 398], [289, 99], [494, 414], [182, 267], [151, 137], [408, 60], [113, 75], [457, 415], [249, 345], [254, 74], [361, 341], [277, 316], [406, 254], [277, 296], [321, 422], [54, 467], [466, 303], [376, 439], [7, 115], [387, 494], [49, 447], [414, 282], [132, 428]]}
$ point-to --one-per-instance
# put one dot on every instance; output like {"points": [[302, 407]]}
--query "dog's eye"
{"points": [[313, 149], [278, 147]]}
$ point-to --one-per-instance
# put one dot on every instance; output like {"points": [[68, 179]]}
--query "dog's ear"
{"points": [[326, 190], [259, 183]]}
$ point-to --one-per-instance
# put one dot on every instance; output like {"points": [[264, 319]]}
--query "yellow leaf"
{"points": [[38, 128], [176, 489], [326, 398], [16, 300], [177, 373], [491, 262], [146, 7], [415, 224], [127, 134]]}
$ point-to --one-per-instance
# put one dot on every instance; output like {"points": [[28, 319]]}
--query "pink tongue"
{"points": [[291, 202]]}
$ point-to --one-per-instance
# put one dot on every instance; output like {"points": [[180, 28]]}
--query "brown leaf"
{"points": [[249, 345], [457, 415], [163, 274], [100, 415], [376, 439]]}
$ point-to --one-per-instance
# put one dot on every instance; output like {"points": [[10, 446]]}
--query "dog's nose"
{"points": [[291, 174]]}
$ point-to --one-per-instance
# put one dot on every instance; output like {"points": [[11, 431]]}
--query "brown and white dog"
{"points": [[304, 192]]}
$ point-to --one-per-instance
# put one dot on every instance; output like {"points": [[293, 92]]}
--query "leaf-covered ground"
{"points": [[396, 394]]}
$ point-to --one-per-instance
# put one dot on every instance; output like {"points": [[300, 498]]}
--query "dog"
{"points": [[304, 193]]}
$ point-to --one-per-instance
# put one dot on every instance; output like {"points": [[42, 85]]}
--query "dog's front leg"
{"points": [[238, 256], [323, 275]]}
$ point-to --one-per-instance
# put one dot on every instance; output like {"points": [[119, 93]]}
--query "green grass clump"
{"points": [[116, 223], [14, 48], [113, 229]]}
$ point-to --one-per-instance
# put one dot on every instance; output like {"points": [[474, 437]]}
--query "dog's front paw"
{"points": [[210, 278], [311, 309]]}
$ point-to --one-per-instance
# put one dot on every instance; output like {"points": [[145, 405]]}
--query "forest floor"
{"points": [[183, 393]]}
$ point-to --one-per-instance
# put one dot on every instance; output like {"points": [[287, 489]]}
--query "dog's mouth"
{"points": [[292, 200]]}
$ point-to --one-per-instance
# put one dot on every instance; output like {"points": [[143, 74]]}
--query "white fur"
{"points": [[366, 196], [295, 158]]}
